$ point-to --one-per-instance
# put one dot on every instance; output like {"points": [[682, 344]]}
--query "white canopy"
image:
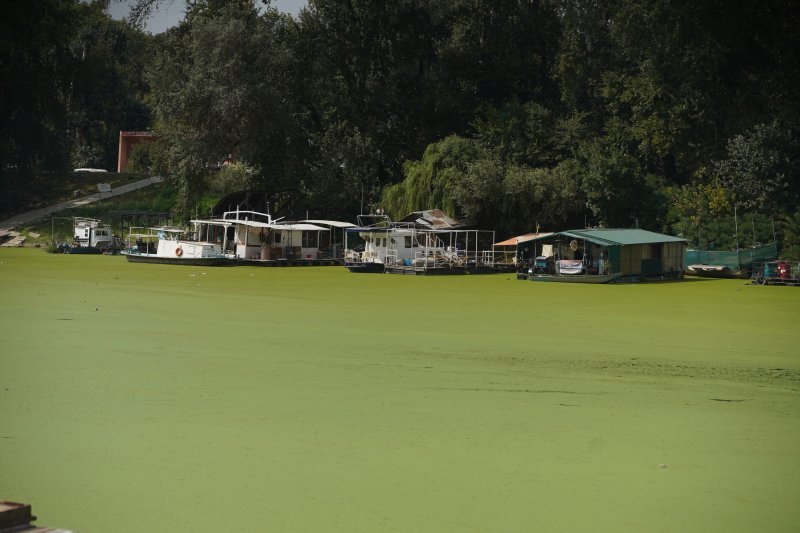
{"points": [[296, 227], [332, 223], [213, 222]]}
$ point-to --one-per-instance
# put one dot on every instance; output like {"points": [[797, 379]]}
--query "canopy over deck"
{"points": [[432, 219], [258, 224], [213, 222], [514, 241]]}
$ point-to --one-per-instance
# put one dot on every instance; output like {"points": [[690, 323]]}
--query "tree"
{"points": [[368, 92], [70, 79], [35, 68], [761, 170], [107, 87], [435, 180], [577, 111], [217, 93], [697, 204]]}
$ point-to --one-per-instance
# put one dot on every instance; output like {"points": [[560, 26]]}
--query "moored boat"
{"points": [[90, 236], [256, 239], [175, 246], [581, 278], [426, 242], [713, 271], [728, 263], [600, 255]]}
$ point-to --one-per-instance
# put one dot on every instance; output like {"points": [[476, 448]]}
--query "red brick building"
{"points": [[127, 140]]}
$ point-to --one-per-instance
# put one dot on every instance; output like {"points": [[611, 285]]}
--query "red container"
{"points": [[784, 270]]}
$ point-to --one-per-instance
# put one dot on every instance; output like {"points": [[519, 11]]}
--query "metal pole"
{"points": [[736, 229], [774, 237], [246, 238]]}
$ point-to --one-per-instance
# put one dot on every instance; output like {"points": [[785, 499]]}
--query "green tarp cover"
{"points": [[745, 257]]}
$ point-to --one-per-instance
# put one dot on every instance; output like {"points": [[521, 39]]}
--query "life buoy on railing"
{"points": [[179, 251]]}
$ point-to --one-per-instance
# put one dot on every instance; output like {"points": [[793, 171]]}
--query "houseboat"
{"points": [[256, 239], [377, 241], [601, 255], [426, 242]]}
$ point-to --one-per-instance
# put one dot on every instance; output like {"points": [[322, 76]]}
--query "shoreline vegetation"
{"points": [[676, 118], [148, 397]]}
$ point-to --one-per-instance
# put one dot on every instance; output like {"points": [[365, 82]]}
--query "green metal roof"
{"points": [[616, 237]]}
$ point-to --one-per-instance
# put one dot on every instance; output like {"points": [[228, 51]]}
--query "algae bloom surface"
{"points": [[165, 398]]}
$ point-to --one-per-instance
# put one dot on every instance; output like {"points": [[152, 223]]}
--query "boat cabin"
{"points": [[257, 238], [175, 243], [91, 233], [415, 246]]}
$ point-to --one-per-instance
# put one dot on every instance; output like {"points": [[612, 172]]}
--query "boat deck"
{"points": [[448, 270], [425, 271], [288, 262]]}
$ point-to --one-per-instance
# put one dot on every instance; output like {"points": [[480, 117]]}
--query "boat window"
{"points": [[276, 237], [407, 240], [310, 239]]}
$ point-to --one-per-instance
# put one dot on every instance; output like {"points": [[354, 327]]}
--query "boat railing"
{"points": [[374, 221], [369, 255], [438, 258], [91, 222], [247, 216]]}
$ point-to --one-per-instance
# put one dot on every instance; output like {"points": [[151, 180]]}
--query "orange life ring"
{"points": [[179, 251]]}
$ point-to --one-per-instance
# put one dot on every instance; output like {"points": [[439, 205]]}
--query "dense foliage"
{"points": [[70, 80], [515, 114]]}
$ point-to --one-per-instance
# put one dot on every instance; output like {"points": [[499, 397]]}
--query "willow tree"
{"points": [[430, 182]]}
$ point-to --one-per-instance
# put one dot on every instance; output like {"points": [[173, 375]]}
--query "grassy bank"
{"points": [[118, 211], [55, 187], [152, 398]]}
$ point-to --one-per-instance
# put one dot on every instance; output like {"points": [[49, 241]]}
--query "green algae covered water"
{"points": [[166, 398]]}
